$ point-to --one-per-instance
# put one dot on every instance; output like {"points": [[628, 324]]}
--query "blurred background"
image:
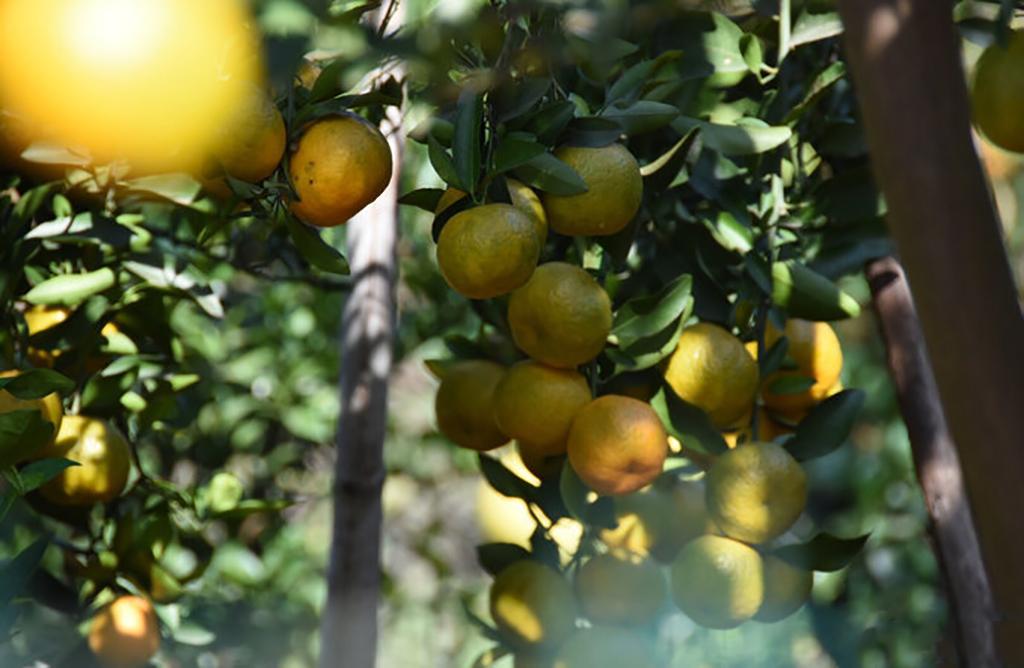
{"points": [[267, 409]]}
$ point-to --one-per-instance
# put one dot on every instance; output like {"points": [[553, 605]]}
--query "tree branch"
{"points": [[911, 89]]}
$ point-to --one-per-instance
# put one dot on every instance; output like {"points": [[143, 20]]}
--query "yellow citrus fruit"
{"points": [[532, 604], [814, 349], [39, 319], [252, 142], [711, 369], [607, 647], [507, 519], [561, 317], [523, 198], [620, 588], [149, 82], [125, 633], [658, 521], [50, 408], [768, 429], [465, 404], [786, 589], [617, 445], [104, 460], [718, 582], [614, 190], [487, 251], [341, 164], [997, 95], [756, 491], [536, 404]]}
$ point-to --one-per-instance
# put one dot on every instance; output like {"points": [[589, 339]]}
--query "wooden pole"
{"points": [[937, 465], [349, 625], [910, 84]]}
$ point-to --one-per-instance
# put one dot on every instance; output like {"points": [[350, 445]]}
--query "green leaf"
{"points": [[179, 188], [730, 233], [442, 163], [827, 426], [738, 139], [647, 351], [239, 564], [824, 552], [496, 557], [806, 294], [810, 27], [753, 52], [828, 77], [773, 358], [513, 152], [688, 423], [649, 314], [422, 198], [548, 173], [37, 383], [526, 93], [190, 633], [22, 434], [548, 123], [592, 131], [641, 116], [15, 574], [71, 289], [583, 503], [715, 49], [40, 472], [504, 481], [53, 154], [318, 252], [790, 384], [328, 82], [466, 143], [666, 157]]}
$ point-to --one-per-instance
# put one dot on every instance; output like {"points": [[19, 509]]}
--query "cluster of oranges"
{"points": [[703, 543]]}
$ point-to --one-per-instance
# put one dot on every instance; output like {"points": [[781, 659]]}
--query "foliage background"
{"points": [[266, 411]]}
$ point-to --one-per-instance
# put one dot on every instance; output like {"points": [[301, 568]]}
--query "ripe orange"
{"points": [[341, 164], [464, 405], [561, 317], [523, 198], [614, 191], [536, 404], [718, 582], [488, 251], [659, 520], [125, 634], [712, 370], [104, 459], [532, 604], [997, 95], [620, 588], [814, 348], [617, 445], [786, 589], [50, 408]]}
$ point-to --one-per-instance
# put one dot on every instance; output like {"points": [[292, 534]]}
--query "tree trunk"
{"points": [[349, 628], [937, 465], [910, 85]]}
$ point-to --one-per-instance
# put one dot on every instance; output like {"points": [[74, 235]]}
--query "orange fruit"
{"points": [[756, 491], [488, 251], [532, 604], [251, 144], [50, 408], [711, 369], [814, 349], [718, 582], [341, 164], [786, 589], [997, 94], [523, 198], [104, 461], [464, 405], [614, 191], [125, 633], [617, 445], [536, 404], [561, 317], [620, 588], [659, 520]]}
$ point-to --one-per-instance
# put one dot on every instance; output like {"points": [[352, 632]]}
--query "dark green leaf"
{"points": [[583, 503], [422, 198], [317, 252], [790, 384], [37, 383], [688, 423], [821, 84], [810, 27], [824, 552], [466, 143], [71, 289], [442, 163], [40, 472], [548, 123], [504, 481], [641, 116], [15, 574], [730, 233], [665, 158], [22, 434], [647, 351], [523, 96], [513, 152], [548, 173], [649, 314], [827, 426], [592, 131], [774, 357], [496, 557], [807, 294], [737, 139]]}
